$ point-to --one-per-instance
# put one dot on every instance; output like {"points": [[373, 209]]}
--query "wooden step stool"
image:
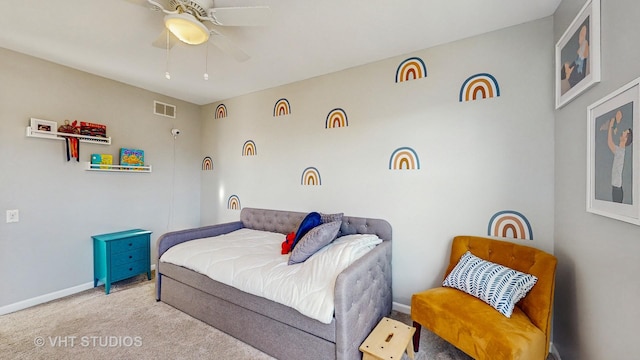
{"points": [[388, 341]]}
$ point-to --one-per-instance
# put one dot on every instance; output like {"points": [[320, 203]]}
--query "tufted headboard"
{"points": [[285, 222]]}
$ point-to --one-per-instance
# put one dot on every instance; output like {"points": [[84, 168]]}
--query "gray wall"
{"points": [[596, 311], [476, 158], [61, 205]]}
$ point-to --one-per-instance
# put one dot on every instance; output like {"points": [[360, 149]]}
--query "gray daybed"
{"points": [[362, 293]]}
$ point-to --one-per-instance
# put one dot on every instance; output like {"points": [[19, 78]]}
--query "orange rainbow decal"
{"points": [[336, 118], [207, 163], [479, 86], [282, 108], [511, 224], [404, 158], [221, 111], [249, 148], [311, 176], [233, 203], [411, 69]]}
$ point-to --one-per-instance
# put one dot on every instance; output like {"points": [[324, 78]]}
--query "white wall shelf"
{"points": [[53, 135], [118, 168]]}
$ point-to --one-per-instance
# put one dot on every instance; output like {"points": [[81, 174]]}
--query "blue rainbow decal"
{"points": [[249, 148], [336, 118], [221, 111], [509, 223], [207, 163], [404, 158], [411, 69], [479, 86], [311, 176], [233, 203], [282, 107]]}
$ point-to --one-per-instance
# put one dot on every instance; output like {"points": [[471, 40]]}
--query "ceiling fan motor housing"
{"points": [[198, 7]]}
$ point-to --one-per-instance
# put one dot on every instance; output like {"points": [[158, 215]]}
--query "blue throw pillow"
{"points": [[310, 221]]}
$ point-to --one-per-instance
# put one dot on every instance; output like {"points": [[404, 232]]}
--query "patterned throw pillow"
{"points": [[317, 238], [497, 285]]}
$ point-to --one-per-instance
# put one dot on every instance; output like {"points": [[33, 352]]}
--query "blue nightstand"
{"points": [[121, 255]]}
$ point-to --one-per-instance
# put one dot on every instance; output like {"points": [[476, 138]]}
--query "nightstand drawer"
{"points": [[125, 271], [130, 256], [134, 242]]}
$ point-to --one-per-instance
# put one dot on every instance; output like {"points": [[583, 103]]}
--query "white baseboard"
{"points": [[21, 305], [554, 351], [401, 308]]}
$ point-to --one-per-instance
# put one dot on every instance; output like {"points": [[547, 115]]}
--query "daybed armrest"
{"points": [[362, 297], [173, 238]]}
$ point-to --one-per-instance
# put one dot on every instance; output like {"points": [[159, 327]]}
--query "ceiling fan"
{"points": [[194, 22]]}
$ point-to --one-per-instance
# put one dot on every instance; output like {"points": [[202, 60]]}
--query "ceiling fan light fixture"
{"points": [[187, 28]]}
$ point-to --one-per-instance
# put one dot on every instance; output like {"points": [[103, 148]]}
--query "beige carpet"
{"points": [[130, 324]]}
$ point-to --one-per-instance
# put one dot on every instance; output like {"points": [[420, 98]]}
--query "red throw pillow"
{"points": [[287, 243]]}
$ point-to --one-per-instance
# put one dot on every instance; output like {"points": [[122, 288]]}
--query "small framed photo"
{"points": [[613, 158], [44, 126], [578, 55]]}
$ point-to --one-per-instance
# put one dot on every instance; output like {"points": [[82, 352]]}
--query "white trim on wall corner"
{"points": [[554, 351], [24, 304], [401, 308]]}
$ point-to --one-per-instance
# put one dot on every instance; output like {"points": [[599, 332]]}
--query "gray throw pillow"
{"points": [[327, 218], [314, 240]]}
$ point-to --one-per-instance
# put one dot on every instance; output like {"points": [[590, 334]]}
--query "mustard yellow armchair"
{"points": [[477, 328]]}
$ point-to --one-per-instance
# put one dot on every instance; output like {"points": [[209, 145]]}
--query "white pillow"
{"points": [[495, 284]]}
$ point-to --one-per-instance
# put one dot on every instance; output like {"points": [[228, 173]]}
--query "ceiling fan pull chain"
{"points": [[206, 62], [166, 74]]}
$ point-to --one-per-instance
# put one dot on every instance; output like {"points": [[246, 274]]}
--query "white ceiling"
{"points": [[112, 38]]}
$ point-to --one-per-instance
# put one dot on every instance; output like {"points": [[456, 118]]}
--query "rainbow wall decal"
{"points": [[249, 148], [479, 86], [404, 158], [207, 163], [221, 111], [336, 118], [233, 203], [282, 108], [311, 176], [411, 69], [509, 223]]}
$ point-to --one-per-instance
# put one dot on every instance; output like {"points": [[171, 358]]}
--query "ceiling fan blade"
{"points": [[145, 3], [223, 43], [161, 41], [241, 16]]}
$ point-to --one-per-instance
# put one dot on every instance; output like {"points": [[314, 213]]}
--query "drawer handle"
{"points": [[130, 269], [130, 256], [130, 244]]}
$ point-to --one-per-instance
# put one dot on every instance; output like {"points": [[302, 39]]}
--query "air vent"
{"points": [[163, 109]]}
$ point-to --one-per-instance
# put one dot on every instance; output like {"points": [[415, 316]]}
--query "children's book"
{"points": [[101, 159], [131, 157], [91, 129]]}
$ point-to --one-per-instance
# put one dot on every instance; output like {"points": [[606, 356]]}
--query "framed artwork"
{"points": [[43, 126], [613, 165], [578, 54]]}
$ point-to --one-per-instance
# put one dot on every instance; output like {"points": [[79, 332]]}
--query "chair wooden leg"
{"points": [[416, 336]]}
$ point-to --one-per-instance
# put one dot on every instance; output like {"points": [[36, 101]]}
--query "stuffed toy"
{"points": [[287, 243]]}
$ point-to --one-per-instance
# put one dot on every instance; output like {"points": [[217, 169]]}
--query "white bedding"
{"points": [[250, 260]]}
